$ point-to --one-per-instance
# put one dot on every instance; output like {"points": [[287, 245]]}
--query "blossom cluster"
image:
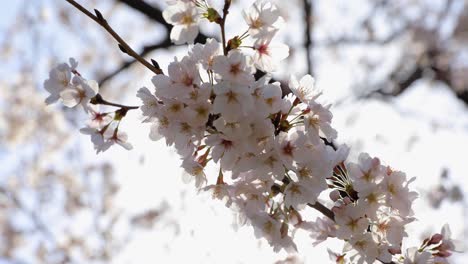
{"points": [[372, 207], [275, 152], [66, 84]]}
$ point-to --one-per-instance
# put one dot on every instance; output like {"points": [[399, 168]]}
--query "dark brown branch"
{"points": [[227, 4], [309, 23], [324, 210], [150, 11], [99, 100], [146, 50], [98, 18], [155, 14], [166, 43]]}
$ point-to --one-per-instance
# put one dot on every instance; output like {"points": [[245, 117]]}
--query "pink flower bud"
{"points": [[347, 200], [435, 239], [335, 195], [444, 254], [394, 251]]}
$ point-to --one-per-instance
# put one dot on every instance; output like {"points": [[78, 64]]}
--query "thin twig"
{"points": [[99, 100], [124, 46], [227, 4]]}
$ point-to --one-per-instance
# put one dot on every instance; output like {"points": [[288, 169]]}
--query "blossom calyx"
{"points": [[212, 15], [119, 114], [234, 43], [97, 99]]}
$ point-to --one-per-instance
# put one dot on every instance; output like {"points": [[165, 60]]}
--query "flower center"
{"points": [[187, 19], [235, 68], [231, 96], [187, 80], [256, 23], [288, 149], [226, 143], [263, 49]]}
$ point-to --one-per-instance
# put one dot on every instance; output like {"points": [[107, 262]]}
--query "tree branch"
{"points": [[227, 4], [324, 210], [308, 19], [155, 14], [99, 100], [150, 11], [122, 44], [146, 50]]}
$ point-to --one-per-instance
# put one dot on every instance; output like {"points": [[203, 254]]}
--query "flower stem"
{"points": [[227, 4], [99, 100]]}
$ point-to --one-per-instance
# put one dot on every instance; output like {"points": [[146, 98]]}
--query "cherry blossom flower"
{"points": [[269, 228], [268, 55], [221, 191], [198, 113], [317, 122], [97, 137], [267, 98], [390, 228], [262, 18], [184, 16], [205, 54], [232, 101], [270, 163], [183, 78], [351, 221], [150, 106], [298, 194], [398, 195], [294, 147], [367, 173], [365, 248], [304, 89], [371, 198], [163, 128], [194, 171], [261, 139], [336, 258], [59, 80], [79, 93], [224, 150], [98, 119], [116, 136], [236, 68]]}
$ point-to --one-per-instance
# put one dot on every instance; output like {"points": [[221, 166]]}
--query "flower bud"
{"points": [[347, 200], [212, 15], [394, 251], [119, 114], [234, 43], [435, 239], [335, 195]]}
